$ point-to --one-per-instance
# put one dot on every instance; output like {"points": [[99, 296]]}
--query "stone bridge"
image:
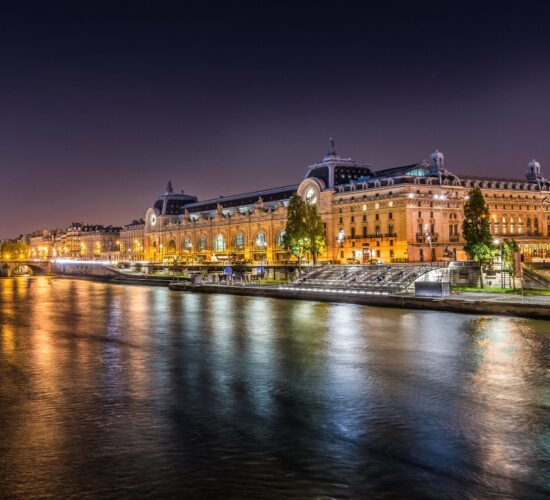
{"points": [[14, 267]]}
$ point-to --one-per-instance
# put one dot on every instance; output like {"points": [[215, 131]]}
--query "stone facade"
{"points": [[88, 242], [411, 213]]}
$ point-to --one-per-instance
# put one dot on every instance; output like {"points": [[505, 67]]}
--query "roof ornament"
{"points": [[169, 188], [332, 149]]}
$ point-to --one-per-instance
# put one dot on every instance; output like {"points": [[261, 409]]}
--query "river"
{"points": [[110, 391]]}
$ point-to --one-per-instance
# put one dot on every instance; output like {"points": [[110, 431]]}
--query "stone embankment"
{"points": [[482, 304]]}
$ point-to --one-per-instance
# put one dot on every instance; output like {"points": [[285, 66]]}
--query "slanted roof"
{"points": [[267, 195]]}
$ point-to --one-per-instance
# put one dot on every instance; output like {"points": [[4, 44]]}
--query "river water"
{"points": [[110, 391]]}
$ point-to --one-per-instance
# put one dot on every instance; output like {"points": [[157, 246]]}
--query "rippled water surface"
{"points": [[114, 391]]}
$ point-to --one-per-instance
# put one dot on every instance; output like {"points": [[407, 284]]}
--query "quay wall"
{"points": [[456, 305]]}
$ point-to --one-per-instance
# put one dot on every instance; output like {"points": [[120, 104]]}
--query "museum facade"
{"points": [[410, 213]]}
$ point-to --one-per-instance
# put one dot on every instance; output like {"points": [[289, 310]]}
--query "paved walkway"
{"points": [[539, 300]]}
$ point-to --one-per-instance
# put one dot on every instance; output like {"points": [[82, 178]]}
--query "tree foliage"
{"points": [[476, 228], [304, 232], [509, 250], [14, 251], [294, 236], [315, 233]]}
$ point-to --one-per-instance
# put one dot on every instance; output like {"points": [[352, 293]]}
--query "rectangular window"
{"points": [[352, 219], [364, 218], [364, 231], [391, 243], [353, 232], [390, 215], [378, 253], [377, 231], [420, 215], [340, 220], [391, 253], [377, 217]]}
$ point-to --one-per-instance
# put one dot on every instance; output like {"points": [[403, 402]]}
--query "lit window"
{"points": [[219, 243]]}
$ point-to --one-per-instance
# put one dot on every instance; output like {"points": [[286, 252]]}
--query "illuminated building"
{"points": [[131, 241], [41, 244], [88, 242], [410, 213]]}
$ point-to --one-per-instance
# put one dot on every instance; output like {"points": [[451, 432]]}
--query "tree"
{"points": [[509, 250], [315, 243], [304, 232], [295, 234], [14, 251], [476, 229]]}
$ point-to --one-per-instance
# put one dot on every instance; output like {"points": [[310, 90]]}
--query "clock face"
{"points": [[311, 196], [153, 219]]}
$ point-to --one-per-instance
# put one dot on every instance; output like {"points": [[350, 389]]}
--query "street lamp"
{"points": [[429, 238], [340, 239]]}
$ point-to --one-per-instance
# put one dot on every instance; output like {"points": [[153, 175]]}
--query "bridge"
{"points": [[21, 267]]}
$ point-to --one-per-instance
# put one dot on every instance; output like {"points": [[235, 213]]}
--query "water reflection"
{"points": [[129, 391]]}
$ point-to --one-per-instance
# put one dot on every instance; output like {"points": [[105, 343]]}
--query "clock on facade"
{"points": [[311, 196], [153, 219]]}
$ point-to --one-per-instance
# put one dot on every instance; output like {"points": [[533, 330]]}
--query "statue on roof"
{"points": [[332, 149], [169, 188]]}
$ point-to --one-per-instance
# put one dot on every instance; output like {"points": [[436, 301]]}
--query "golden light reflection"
{"points": [[501, 383], [8, 339]]}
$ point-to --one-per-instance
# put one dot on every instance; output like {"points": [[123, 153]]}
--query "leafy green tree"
{"points": [[295, 233], [476, 229], [304, 232], [315, 243], [509, 250]]}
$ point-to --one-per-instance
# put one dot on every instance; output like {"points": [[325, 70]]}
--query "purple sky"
{"points": [[100, 106]]}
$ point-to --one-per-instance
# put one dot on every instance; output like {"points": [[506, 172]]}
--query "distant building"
{"points": [[409, 213], [131, 241], [88, 242], [41, 243]]}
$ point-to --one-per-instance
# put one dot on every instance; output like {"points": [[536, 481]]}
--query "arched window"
{"points": [[187, 245], [536, 225], [201, 244], [512, 226], [239, 242], [171, 248], [528, 225], [260, 241], [504, 225], [280, 238], [520, 225], [219, 243]]}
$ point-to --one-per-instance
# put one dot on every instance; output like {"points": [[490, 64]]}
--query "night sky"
{"points": [[102, 103]]}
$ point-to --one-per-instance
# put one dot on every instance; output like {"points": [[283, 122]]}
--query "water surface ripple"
{"points": [[128, 392]]}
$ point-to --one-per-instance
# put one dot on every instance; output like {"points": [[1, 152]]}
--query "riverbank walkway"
{"points": [[530, 306]]}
